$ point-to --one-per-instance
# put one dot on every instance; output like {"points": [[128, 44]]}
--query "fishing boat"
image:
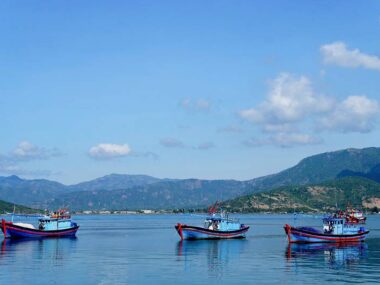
{"points": [[337, 228], [57, 224], [216, 226], [355, 216]]}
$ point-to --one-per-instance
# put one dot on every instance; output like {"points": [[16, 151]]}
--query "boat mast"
{"points": [[14, 209]]}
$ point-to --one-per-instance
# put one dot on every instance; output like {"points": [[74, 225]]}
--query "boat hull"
{"points": [[193, 233], [296, 235], [16, 232]]}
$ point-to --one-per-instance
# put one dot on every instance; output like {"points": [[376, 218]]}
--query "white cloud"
{"points": [[9, 168], [175, 143], [230, 129], [27, 151], [148, 154], [171, 143], [107, 150], [202, 104], [289, 100], [338, 53], [288, 140], [186, 103], [292, 109], [284, 140], [205, 146], [354, 114], [199, 105]]}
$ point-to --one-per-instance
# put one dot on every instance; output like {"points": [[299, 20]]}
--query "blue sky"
{"points": [[180, 89]]}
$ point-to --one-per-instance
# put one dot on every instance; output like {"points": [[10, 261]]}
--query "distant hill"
{"points": [[114, 181], [185, 193], [37, 193], [40, 193], [355, 191], [319, 168], [6, 207], [121, 191]]}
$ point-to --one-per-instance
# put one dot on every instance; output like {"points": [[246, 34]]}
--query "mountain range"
{"points": [[122, 191], [327, 196]]}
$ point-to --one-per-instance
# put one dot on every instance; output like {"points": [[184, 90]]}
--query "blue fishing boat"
{"points": [[216, 226], [58, 224], [337, 228]]}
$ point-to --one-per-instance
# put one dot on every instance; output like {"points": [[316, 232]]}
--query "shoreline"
{"points": [[168, 212]]}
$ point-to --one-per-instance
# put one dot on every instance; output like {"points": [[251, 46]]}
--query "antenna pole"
{"points": [[14, 210]]}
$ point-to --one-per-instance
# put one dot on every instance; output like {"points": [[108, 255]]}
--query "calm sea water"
{"points": [[145, 249]]}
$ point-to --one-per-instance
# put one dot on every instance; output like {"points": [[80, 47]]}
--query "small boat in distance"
{"points": [[355, 216], [216, 226], [337, 228], [57, 224]]}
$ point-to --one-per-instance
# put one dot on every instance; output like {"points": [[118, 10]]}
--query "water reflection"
{"points": [[215, 254], [40, 249], [335, 255]]}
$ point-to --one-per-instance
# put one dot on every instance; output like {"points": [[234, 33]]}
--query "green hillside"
{"points": [[6, 207], [319, 168], [355, 191]]}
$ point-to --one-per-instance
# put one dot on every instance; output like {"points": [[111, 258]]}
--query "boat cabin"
{"points": [[53, 224], [338, 226], [222, 224]]}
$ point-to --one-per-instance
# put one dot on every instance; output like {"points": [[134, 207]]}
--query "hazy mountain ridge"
{"points": [[118, 191], [114, 182], [187, 193], [41, 193], [37, 193]]}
